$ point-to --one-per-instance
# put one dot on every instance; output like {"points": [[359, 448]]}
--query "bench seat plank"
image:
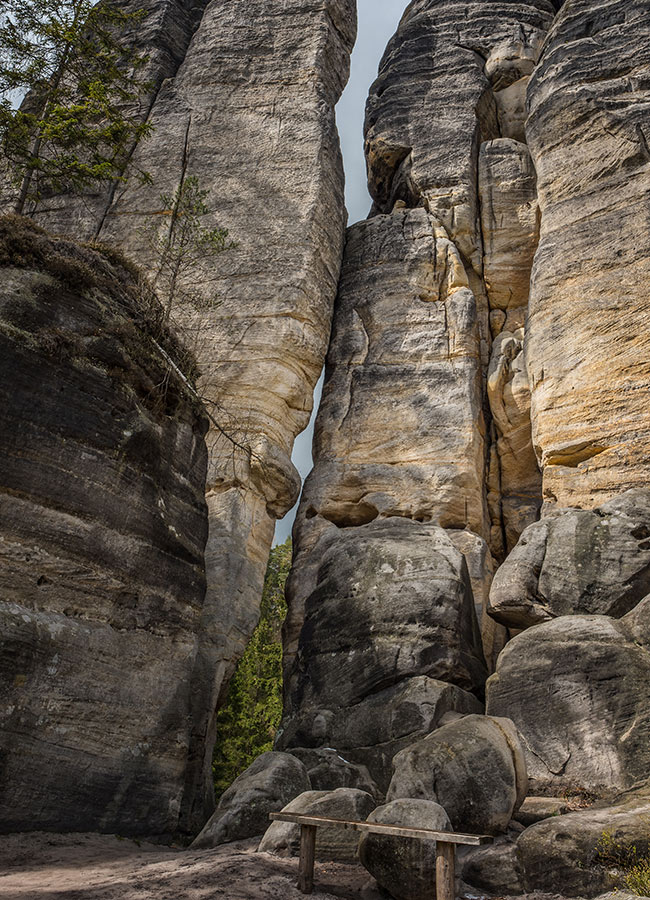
{"points": [[448, 837]]}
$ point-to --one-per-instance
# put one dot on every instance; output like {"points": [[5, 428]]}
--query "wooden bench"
{"points": [[446, 842]]}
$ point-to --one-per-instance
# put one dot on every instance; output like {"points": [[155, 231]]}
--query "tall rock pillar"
{"points": [[243, 100], [590, 303], [425, 410]]}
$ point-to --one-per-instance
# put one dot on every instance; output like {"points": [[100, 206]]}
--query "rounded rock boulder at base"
{"points": [[404, 867], [577, 689], [266, 786], [474, 768]]}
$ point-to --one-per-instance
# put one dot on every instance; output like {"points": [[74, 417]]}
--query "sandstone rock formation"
{"points": [[576, 688], [574, 854], [242, 97], [577, 562], [589, 310], [101, 551], [405, 868], [391, 617], [474, 768], [266, 786], [332, 841], [411, 425]]}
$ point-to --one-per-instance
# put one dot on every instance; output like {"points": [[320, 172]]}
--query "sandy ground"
{"points": [[102, 867], [42, 866]]}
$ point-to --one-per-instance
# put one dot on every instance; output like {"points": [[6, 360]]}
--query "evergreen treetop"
{"points": [[80, 116]]}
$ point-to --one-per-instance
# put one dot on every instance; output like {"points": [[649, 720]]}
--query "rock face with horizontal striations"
{"points": [[391, 618], [589, 314], [101, 550], [243, 100], [576, 688], [577, 561]]}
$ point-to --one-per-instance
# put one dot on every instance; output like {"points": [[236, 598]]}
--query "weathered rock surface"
{"points": [[243, 97], [101, 550], [405, 868], [474, 768], [328, 770], [266, 786], [509, 226], [446, 64], [576, 689], [572, 853], [391, 616], [405, 349], [494, 868], [577, 562], [332, 842], [510, 233], [382, 724], [589, 309]]}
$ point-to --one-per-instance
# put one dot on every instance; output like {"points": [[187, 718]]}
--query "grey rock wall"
{"points": [[103, 531]]}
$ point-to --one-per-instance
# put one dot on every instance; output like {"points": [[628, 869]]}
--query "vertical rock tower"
{"points": [[426, 406], [243, 95], [483, 367]]}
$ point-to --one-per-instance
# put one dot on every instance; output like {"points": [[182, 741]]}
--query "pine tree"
{"points": [[79, 119], [247, 723], [183, 242]]}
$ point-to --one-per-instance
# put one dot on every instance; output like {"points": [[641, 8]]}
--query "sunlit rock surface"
{"points": [[590, 312]]}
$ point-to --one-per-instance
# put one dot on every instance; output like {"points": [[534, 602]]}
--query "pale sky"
{"points": [[378, 20]]}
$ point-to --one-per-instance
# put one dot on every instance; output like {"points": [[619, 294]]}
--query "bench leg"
{"points": [[445, 871], [307, 853]]}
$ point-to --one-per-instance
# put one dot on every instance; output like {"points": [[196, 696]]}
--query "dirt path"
{"points": [[102, 867]]}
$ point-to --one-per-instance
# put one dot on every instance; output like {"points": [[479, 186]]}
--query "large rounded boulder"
{"points": [[577, 689], [405, 867], [577, 562], [332, 841], [266, 786], [474, 768]]}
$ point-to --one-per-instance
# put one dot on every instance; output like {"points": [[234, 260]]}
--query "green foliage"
{"points": [[247, 723], [79, 120], [632, 862], [183, 242], [637, 879]]}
